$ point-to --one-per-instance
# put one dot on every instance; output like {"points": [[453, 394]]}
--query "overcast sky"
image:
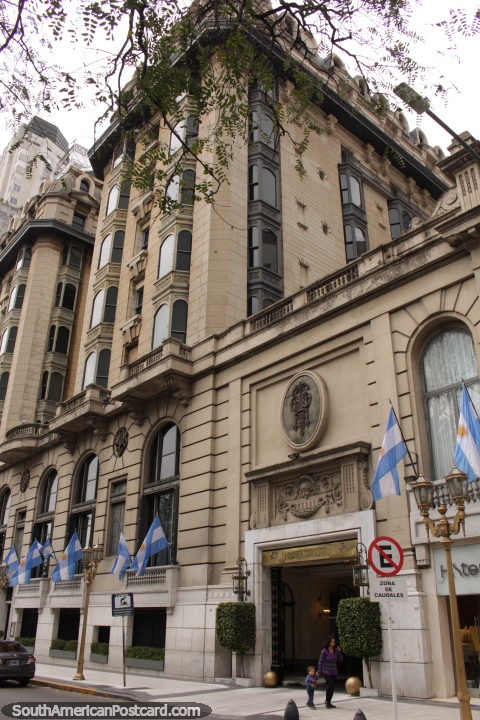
{"points": [[460, 111]]}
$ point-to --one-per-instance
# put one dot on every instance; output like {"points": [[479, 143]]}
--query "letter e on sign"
{"points": [[385, 556]]}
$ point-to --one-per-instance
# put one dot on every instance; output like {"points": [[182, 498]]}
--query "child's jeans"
{"points": [[310, 692]]}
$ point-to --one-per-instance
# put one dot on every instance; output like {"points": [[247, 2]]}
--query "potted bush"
{"points": [[360, 631], [28, 643], [99, 652], [66, 649], [147, 658], [235, 629]]}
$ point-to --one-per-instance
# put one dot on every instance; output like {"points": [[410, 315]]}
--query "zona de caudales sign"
{"points": [[386, 560]]}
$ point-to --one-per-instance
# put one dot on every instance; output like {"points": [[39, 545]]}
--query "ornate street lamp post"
{"points": [[360, 569], [457, 483], [91, 557], [240, 580]]}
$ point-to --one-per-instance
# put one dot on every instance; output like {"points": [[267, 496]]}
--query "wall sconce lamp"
{"points": [[360, 569], [240, 580], [324, 603]]}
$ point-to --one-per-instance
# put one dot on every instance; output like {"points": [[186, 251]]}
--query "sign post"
{"points": [[386, 559], [122, 604]]}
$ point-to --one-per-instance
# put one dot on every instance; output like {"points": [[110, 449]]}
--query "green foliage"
{"points": [[2, 633], [236, 626], [359, 627], [141, 652], [99, 648], [26, 641], [67, 645]]}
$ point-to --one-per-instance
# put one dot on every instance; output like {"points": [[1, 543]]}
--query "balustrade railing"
{"points": [[332, 283], [154, 576], [442, 496], [26, 430], [145, 362]]}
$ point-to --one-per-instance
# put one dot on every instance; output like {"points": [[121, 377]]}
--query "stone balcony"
{"points": [[67, 593], [164, 369], [21, 442], [160, 581], [32, 595]]}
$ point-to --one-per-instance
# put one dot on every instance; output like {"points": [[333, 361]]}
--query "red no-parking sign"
{"points": [[385, 556]]}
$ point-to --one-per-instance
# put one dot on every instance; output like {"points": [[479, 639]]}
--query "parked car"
{"points": [[16, 663]]}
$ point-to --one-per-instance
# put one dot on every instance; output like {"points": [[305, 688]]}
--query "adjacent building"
{"points": [[230, 368]]}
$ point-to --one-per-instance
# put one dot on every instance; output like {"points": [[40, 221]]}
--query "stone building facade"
{"points": [[230, 368]]}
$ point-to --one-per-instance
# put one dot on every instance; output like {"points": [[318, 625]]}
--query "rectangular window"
{"points": [[16, 188], [78, 221], [145, 234], [117, 515], [19, 530], [13, 201], [139, 301]]}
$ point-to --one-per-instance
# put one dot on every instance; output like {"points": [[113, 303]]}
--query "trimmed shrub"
{"points": [[236, 626], [359, 629], [26, 641], [141, 652], [99, 648], [71, 645], [67, 645]]}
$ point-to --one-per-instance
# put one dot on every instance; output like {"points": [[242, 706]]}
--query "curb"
{"points": [[88, 690]]}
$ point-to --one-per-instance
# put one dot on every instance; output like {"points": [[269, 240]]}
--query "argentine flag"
{"points": [[65, 569], [122, 561], [467, 449], [22, 574], [47, 550], [153, 543], [385, 481], [11, 559]]}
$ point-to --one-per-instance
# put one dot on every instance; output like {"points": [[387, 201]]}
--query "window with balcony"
{"points": [[97, 371], [44, 517], [161, 490], [82, 513], [184, 250], [58, 340], [448, 359], [124, 150], [5, 500], [9, 338], [111, 251], [72, 256], [138, 301], [118, 197], [355, 240], [165, 259], [65, 296], [264, 254], [351, 189], [51, 387], [261, 128]]}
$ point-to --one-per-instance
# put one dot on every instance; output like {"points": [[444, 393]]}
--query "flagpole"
{"points": [[470, 397], [403, 438]]}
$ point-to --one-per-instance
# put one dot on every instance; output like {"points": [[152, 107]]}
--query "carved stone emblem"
{"points": [[120, 441], [305, 496], [304, 412], [299, 404], [24, 480]]}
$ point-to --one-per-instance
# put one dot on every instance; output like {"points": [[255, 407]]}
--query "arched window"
{"points": [[124, 149], [184, 249], [448, 358], [63, 336], [8, 340], [117, 250], [261, 128], [110, 304], [3, 385], [164, 468], [24, 258], [179, 320], [68, 301], [97, 308], [43, 526], [160, 326], [192, 130], [16, 297], [253, 182], [103, 368], [124, 196], [188, 187], [55, 387], [82, 515], [269, 187], [355, 241], [172, 188], [44, 386], [105, 250], [89, 374], [49, 495], [176, 137], [84, 186], [112, 199], [350, 189], [269, 251], [165, 259]]}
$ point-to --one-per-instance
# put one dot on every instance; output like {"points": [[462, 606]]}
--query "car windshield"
{"points": [[6, 647]]}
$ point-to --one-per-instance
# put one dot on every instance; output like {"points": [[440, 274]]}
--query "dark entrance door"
{"points": [[278, 647]]}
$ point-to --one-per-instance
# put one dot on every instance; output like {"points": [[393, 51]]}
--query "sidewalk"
{"points": [[230, 701]]}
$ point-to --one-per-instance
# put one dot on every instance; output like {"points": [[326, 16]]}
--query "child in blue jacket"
{"points": [[310, 683]]}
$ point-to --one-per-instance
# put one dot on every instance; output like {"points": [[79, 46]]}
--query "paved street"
{"points": [[228, 701]]}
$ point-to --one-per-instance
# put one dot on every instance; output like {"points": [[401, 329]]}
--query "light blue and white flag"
{"points": [[385, 481], [123, 559], [47, 550], [12, 559], [153, 543], [65, 569], [467, 449], [21, 576]]}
